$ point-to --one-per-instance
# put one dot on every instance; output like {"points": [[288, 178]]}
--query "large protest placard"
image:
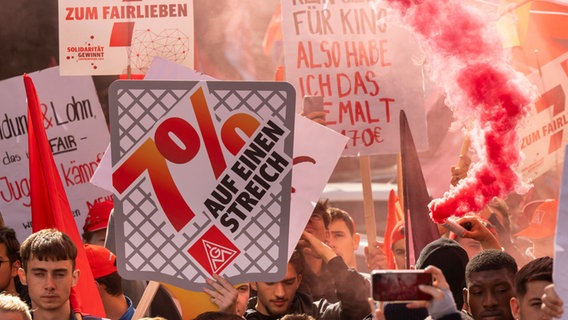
{"points": [[545, 131], [102, 37], [77, 132], [560, 276], [365, 66], [202, 179], [316, 151]]}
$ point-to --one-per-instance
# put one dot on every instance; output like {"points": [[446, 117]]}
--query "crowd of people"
{"points": [[481, 273]]}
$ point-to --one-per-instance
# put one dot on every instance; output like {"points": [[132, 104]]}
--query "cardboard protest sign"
{"points": [[77, 132], [111, 37], [544, 133], [202, 179], [365, 67]]}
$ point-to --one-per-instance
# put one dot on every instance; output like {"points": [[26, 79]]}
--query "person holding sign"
{"points": [[276, 299]]}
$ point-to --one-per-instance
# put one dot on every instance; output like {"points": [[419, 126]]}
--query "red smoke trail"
{"points": [[465, 55]]}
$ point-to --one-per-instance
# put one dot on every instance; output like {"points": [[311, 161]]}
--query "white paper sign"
{"points": [[103, 37], [365, 67], [77, 132]]}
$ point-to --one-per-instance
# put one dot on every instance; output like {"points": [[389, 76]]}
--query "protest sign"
{"points": [[202, 178], [77, 132], [316, 151], [364, 65], [544, 132], [110, 37], [560, 276]]}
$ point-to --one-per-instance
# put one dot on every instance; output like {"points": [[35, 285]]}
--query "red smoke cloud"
{"points": [[465, 55]]}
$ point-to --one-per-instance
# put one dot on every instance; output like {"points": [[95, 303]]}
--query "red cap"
{"points": [[543, 221], [101, 260], [97, 219]]}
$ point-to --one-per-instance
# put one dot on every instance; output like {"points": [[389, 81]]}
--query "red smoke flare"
{"points": [[465, 55]]}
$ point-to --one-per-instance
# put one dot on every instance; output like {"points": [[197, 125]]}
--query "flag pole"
{"points": [[400, 182], [368, 204], [146, 299]]}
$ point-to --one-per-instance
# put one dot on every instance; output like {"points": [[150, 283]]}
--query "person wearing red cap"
{"points": [[103, 265], [541, 229], [96, 223]]}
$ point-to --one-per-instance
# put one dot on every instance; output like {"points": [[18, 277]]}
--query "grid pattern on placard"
{"points": [[151, 245]]}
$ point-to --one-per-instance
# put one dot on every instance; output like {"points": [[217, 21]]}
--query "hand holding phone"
{"points": [[400, 285]]}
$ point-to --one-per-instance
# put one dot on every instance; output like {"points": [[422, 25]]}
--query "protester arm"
{"points": [[223, 294], [551, 302], [479, 232], [442, 304], [376, 259]]}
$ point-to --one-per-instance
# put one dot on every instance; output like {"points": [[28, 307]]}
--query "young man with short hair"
{"points": [[530, 282], [48, 269], [343, 238], [13, 308], [276, 299], [489, 278], [316, 277]]}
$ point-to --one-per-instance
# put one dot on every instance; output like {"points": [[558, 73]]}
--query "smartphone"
{"points": [[312, 104], [399, 285]]}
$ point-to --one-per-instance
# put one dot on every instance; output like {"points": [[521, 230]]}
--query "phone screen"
{"points": [[400, 285]]}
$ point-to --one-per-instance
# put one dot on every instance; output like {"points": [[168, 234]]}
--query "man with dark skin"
{"points": [[490, 285]]}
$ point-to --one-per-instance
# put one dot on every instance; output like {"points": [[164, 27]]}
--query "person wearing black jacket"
{"points": [[276, 299]]}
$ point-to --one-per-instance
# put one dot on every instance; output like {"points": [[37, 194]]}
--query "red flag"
{"points": [[394, 215], [49, 204]]}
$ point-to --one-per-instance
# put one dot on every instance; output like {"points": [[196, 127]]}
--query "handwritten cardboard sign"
{"points": [[100, 37], [364, 66], [545, 131], [77, 132], [202, 179]]}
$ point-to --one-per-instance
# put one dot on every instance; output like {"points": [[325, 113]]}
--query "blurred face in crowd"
{"points": [[49, 283], [8, 271], [243, 294], [98, 237], [343, 242], [488, 294], [316, 226], [528, 306], [275, 298], [399, 252], [471, 246]]}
